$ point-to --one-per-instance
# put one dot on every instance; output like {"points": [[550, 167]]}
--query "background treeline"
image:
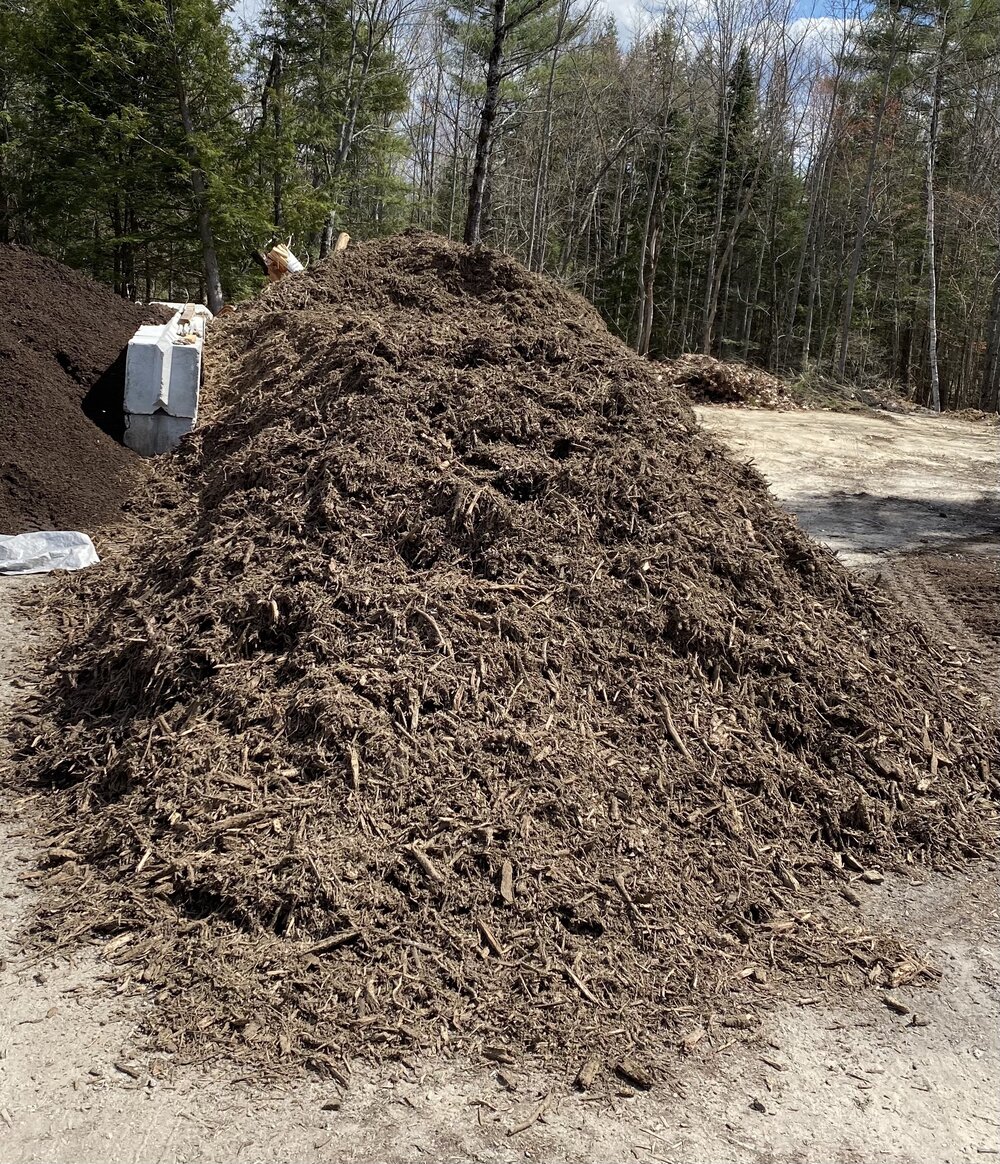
{"points": [[813, 196]]}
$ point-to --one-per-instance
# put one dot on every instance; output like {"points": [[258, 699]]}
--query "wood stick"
{"points": [[490, 938], [668, 721], [425, 863]]}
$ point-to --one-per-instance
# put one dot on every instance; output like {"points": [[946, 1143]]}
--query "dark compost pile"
{"points": [[62, 375], [468, 696]]}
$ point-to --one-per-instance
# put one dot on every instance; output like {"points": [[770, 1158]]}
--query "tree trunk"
{"points": [[864, 211], [199, 184], [487, 119], [209, 256], [712, 283], [932, 145], [456, 127], [535, 243], [648, 255], [273, 87], [989, 392], [326, 235]]}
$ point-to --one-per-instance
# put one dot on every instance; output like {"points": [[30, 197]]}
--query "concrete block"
{"points": [[185, 379], [144, 370], [150, 435], [163, 380]]}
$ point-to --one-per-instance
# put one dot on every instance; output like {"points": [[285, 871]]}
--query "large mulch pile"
{"points": [[709, 381], [62, 369], [468, 696]]}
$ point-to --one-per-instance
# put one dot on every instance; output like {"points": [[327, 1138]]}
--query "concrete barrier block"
{"points": [[185, 379], [163, 380], [150, 435], [144, 371]]}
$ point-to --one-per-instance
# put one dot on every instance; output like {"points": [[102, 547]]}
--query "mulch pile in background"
{"points": [[62, 369], [470, 697], [706, 380]]}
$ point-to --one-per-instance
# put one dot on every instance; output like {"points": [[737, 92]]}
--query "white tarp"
{"points": [[39, 553]]}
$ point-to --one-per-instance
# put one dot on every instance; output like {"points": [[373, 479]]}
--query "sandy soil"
{"points": [[911, 501], [850, 1081], [869, 485]]}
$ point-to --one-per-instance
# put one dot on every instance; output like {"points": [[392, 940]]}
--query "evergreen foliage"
{"points": [[720, 182]]}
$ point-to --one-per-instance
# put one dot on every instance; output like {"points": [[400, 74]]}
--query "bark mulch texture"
{"points": [[467, 696], [62, 376], [706, 380]]}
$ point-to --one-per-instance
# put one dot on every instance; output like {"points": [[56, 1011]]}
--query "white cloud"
{"points": [[811, 36], [628, 16], [822, 33]]}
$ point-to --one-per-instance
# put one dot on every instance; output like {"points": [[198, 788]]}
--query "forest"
{"points": [[820, 197]]}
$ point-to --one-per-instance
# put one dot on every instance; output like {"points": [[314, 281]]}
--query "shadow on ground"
{"points": [[104, 404], [863, 523]]}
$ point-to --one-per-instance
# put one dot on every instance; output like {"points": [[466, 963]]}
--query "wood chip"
{"points": [[507, 882], [425, 863], [537, 1111], [740, 1022], [583, 988], [333, 942], [692, 1039], [498, 1055], [490, 938], [588, 1073], [668, 722], [895, 1004], [240, 820], [634, 1073]]}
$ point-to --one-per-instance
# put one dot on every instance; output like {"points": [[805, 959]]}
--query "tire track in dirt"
{"points": [[956, 622]]}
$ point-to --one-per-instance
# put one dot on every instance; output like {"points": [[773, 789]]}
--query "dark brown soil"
{"points": [[470, 696], [62, 368]]}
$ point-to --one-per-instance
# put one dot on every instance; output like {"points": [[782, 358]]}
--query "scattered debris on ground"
{"points": [[976, 415], [815, 389], [730, 383], [709, 381], [62, 368], [465, 695]]}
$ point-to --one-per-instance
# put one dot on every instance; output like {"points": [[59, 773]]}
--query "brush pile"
{"points": [[706, 380], [62, 375], [468, 696]]}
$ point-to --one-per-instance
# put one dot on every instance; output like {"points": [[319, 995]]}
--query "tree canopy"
{"points": [[808, 195]]}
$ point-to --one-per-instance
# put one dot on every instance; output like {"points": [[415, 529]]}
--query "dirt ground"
{"points": [[911, 501], [851, 1081], [874, 484]]}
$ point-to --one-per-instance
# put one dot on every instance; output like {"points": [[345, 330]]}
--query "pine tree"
{"points": [[331, 93], [506, 35]]}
